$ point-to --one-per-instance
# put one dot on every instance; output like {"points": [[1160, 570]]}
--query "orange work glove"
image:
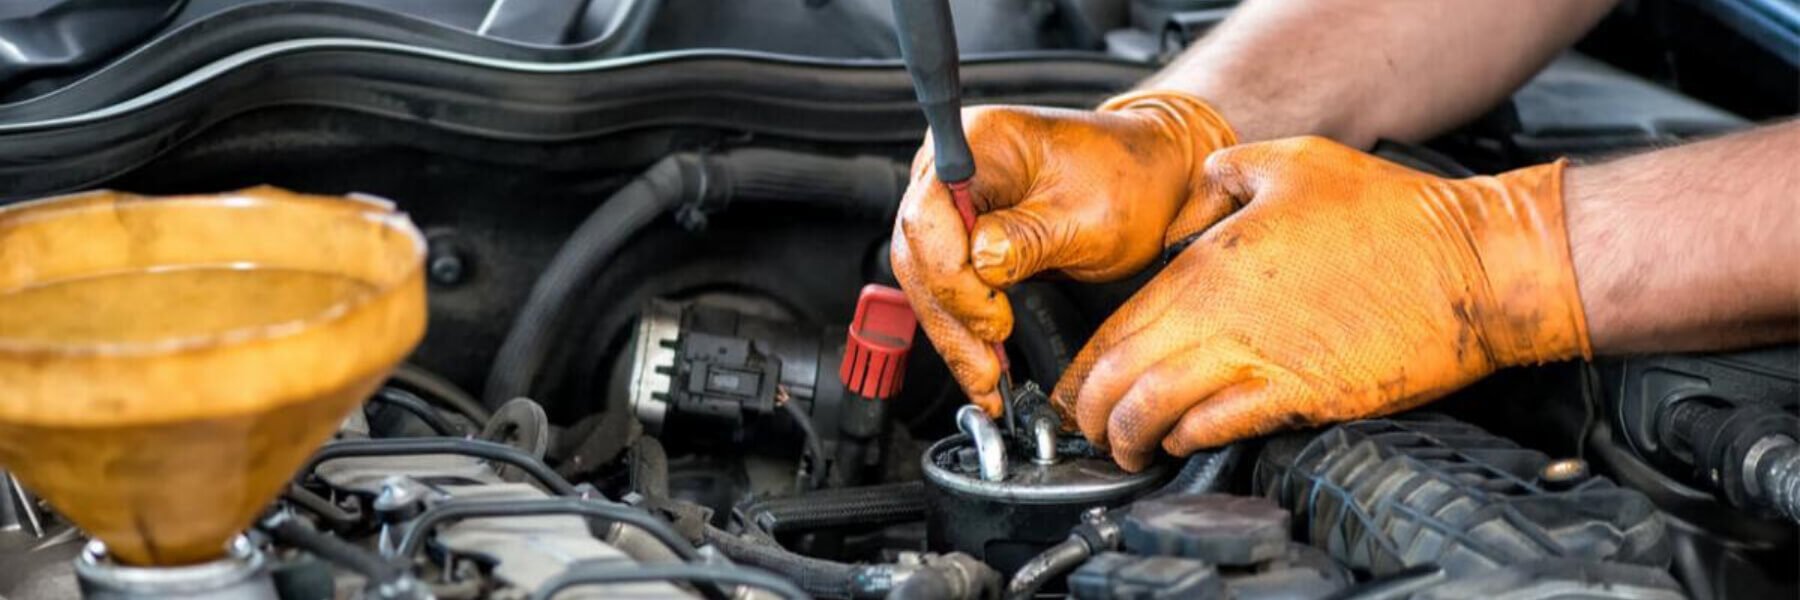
{"points": [[1346, 287], [1094, 194]]}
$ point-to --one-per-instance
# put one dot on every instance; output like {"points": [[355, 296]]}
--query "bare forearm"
{"points": [[1358, 70], [1690, 248]]}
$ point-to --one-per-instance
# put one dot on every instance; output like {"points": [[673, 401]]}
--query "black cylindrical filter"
{"points": [[1005, 523]]}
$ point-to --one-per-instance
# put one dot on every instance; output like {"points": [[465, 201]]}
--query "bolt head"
{"points": [[446, 269]]}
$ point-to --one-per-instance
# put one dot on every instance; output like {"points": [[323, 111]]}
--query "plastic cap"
{"points": [[880, 336]]}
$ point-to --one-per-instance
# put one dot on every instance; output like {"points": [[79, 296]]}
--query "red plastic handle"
{"points": [[880, 336], [965, 206]]}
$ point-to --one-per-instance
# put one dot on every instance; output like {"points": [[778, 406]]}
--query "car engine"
{"points": [[666, 357]]}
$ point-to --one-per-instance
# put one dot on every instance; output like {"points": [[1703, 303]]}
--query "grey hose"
{"points": [[1055, 562], [1097, 533], [818, 577], [435, 387], [864, 506], [692, 186], [413, 404], [602, 573]]}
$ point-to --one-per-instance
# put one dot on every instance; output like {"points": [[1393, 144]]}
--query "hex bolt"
{"points": [[445, 267], [1563, 474]]}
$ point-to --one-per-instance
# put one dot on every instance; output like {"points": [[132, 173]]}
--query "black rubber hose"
{"points": [[1204, 473], [661, 188], [416, 446], [864, 187], [288, 531], [815, 447], [597, 574], [869, 505], [818, 577], [412, 403], [332, 514], [434, 387], [861, 187]]}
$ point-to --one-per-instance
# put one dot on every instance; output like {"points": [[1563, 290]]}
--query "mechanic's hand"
{"points": [[1093, 194], [1346, 287]]}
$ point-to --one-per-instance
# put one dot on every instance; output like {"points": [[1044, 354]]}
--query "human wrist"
{"points": [[1530, 310]]}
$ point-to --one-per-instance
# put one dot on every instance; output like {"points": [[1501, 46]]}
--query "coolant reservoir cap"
{"points": [[167, 363], [880, 336]]}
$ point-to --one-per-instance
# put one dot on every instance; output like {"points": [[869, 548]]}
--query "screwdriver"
{"points": [[928, 45]]}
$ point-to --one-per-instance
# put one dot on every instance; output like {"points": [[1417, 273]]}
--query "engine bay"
{"points": [[665, 356]]}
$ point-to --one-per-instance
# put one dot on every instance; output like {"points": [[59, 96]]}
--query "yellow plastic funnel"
{"points": [[166, 363]]}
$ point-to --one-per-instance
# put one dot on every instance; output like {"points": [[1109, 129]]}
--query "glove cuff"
{"points": [[1196, 129], [1534, 312]]}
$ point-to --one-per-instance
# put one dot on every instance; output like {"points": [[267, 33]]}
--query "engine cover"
{"points": [[1384, 495]]}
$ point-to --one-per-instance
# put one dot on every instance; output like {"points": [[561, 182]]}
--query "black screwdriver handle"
{"points": [[928, 44]]}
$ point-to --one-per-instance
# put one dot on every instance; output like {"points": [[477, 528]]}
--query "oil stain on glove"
{"points": [[1092, 194]]}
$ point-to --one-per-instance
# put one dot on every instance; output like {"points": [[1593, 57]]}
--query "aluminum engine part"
{"points": [[367, 474], [528, 551], [1385, 495], [653, 361], [243, 574], [523, 551]]}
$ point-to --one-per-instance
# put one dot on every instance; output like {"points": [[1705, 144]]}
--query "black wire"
{"points": [[416, 446], [1590, 384], [412, 403], [288, 531], [333, 515], [814, 445], [435, 387], [593, 574], [457, 510]]}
